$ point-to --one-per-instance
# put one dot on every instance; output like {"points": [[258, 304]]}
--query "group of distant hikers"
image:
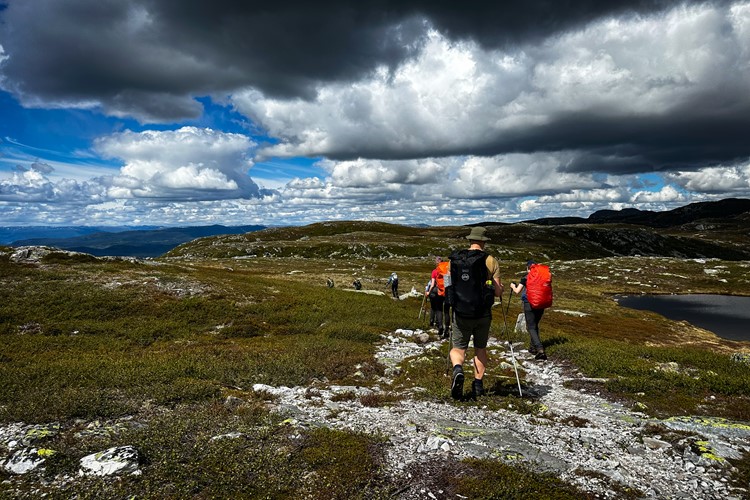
{"points": [[462, 292]]}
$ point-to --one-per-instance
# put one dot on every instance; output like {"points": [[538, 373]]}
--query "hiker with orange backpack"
{"points": [[436, 293], [536, 294]]}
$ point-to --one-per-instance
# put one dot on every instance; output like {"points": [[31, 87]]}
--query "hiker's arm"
{"points": [[498, 287], [516, 287]]}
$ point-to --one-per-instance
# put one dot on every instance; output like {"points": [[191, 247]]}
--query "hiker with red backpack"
{"points": [[436, 293], [472, 286], [536, 294]]}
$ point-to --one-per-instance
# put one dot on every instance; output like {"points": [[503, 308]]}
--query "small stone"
{"points": [[233, 402], [656, 444]]}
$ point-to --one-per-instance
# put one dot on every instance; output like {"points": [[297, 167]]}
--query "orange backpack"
{"points": [[443, 268], [539, 286]]}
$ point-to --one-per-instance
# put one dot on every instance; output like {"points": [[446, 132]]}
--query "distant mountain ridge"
{"points": [[136, 243], [730, 207], [719, 229], [8, 235]]}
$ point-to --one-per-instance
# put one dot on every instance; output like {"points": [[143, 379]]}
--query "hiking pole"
{"points": [[450, 339], [512, 354], [507, 307], [421, 308]]}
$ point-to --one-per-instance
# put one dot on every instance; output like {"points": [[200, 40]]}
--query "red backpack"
{"points": [[442, 269], [539, 286]]}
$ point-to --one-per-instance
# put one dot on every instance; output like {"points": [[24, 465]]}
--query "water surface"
{"points": [[726, 315]]}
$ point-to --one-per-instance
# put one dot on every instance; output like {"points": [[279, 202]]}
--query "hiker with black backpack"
{"points": [[536, 295], [471, 287], [436, 293]]}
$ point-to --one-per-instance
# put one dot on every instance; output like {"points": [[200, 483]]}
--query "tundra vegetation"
{"points": [[165, 343]]}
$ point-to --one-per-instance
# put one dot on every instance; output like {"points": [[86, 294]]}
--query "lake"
{"points": [[726, 315]]}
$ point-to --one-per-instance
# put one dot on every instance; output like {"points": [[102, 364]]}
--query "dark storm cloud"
{"points": [[148, 58], [128, 55], [497, 24], [625, 145], [681, 141]]}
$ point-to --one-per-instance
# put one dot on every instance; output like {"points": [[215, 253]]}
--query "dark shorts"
{"points": [[464, 329]]}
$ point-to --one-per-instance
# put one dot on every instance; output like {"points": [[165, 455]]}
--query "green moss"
{"points": [[632, 373], [491, 479], [377, 400], [342, 465]]}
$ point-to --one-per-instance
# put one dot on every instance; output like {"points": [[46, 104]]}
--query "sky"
{"points": [[186, 112]]}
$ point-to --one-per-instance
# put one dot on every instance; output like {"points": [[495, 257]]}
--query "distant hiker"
{"points": [[357, 284], [536, 297], [471, 289], [436, 294], [329, 282], [393, 281]]}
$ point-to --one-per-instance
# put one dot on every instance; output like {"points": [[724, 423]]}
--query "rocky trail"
{"points": [[600, 446]]}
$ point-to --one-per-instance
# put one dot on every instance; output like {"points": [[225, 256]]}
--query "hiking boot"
{"points": [[541, 356], [457, 388], [440, 333], [533, 350], [477, 388]]}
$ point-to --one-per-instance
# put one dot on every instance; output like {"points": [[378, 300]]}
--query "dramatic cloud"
{"points": [[411, 111], [633, 95], [148, 58], [187, 164]]}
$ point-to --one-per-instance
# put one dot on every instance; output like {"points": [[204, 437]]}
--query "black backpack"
{"points": [[468, 292]]}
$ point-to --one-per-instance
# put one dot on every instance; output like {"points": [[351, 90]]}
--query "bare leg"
{"points": [[480, 363], [457, 356]]}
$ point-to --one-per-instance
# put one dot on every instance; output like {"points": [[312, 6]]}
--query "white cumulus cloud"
{"points": [[188, 163]]}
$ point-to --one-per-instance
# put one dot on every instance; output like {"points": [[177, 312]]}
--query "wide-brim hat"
{"points": [[477, 234]]}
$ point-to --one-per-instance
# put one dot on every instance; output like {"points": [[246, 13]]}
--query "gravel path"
{"points": [[600, 446]]}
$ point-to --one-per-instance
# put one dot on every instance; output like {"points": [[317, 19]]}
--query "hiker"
{"points": [[471, 289], [533, 314], [427, 292], [329, 282], [393, 281], [357, 284], [436, 294]]}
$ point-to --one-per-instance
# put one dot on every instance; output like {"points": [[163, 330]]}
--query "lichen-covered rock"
{"points": [[118, 460], [23, 461], [34, 254]]}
